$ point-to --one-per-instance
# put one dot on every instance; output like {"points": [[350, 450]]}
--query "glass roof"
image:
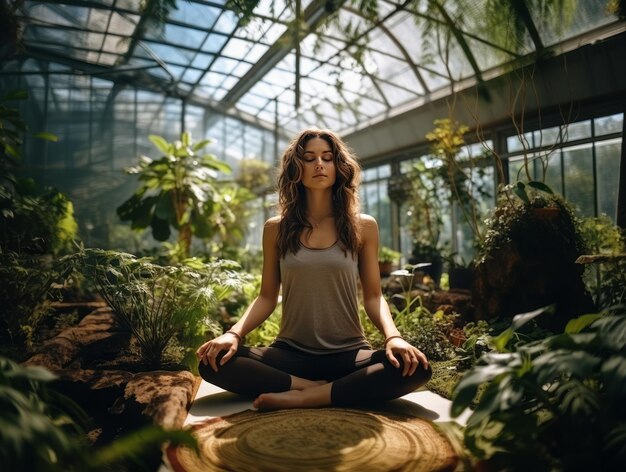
{"points": [[352, 69]]}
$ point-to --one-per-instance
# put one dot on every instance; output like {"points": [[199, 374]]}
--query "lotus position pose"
{"points": [[317, 249]]}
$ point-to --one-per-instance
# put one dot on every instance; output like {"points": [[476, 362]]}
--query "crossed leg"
{"points": [[287, 378]]}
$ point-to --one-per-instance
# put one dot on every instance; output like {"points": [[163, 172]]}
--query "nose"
{"points": [[319, 163]]}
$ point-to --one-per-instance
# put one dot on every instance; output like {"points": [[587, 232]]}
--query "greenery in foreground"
{"points": [[42, 430]]}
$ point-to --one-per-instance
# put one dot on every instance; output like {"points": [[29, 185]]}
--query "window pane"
{"points": [[578, 171], [609, 124], [554, 177], [608, 169], [579, 130]]}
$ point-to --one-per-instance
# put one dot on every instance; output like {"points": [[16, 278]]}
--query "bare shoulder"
{"points": [[368, 223], [273, 222]]}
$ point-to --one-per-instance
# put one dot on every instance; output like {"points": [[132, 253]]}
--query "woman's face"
{"points": [[319, 165]]}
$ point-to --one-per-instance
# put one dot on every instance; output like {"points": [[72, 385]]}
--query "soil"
{"points": [[97, 367]]}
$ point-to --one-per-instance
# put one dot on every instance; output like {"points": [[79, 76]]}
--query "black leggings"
{"points": [[359, 376]]}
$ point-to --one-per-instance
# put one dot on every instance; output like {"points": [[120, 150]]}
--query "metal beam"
{"points": [[317, 11]]}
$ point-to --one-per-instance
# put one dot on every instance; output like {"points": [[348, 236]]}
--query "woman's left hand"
{"points": [[411, 356]]}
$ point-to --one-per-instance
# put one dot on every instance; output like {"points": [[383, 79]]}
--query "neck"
{"points": [[319, 205]]}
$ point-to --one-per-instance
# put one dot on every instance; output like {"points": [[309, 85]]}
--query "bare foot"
{"points": [[298, 383], [309, 398]]}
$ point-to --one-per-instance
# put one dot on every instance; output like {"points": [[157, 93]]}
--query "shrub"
{"points": [[25, 288], [159, 303], [41, 429], [551, 404]]}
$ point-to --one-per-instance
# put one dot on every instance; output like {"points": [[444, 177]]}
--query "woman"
{"points": [[318, 249]]}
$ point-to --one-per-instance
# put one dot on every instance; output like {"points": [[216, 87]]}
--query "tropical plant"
{"points": [[35, 222], [550, 404], [25, 300], [447, 141], [605, 275], [158, 304], [13, 128], [177, 190], [514, 219], [40, 429]]}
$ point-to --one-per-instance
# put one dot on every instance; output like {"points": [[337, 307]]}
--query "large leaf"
{"points": [[141, 215], [519, 320], [126, 209], [576, 325], [164, 208], [160, 228], [520, 191], [540, 186], [467, 387], [161, 144], [553, 364], [138, 443], [200, 144], [614, 377], [211, 161], [612, 331], [47, 136]]}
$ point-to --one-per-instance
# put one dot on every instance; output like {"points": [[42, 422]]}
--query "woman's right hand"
{"points": [[208, 352]]}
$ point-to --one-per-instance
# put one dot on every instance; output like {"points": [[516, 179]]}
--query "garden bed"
{"points": [[95, 369]]}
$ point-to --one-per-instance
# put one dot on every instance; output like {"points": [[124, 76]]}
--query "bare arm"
{"points": [[258, 311], [375, 304]]}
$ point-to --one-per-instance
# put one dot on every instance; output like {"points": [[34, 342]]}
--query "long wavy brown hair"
{"points": [[292, 195]]}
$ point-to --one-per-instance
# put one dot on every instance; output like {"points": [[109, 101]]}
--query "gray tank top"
{"points": [[320, 301]]}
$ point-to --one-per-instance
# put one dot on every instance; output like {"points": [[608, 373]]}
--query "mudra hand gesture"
{"points": [[208, 352], [412, 357]]}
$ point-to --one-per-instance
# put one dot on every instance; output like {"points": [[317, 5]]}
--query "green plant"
{"points": [[424, 205], [30, 220], [514, 219], [447, 140], [160, 303], [421, 328], [41, 429], [550, 404], [386, 254], [606, 278], [178, 190], [25, 300], [35, 222]]}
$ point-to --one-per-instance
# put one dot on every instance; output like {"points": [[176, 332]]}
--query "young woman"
{"points": [[317, 249]]}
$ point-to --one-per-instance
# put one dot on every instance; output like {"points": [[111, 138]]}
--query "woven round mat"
{"points": [[317, 439]]}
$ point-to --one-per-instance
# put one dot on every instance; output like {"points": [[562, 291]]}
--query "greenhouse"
{"points": [[313, 235]]}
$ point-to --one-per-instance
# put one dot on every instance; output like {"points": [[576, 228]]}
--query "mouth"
{"points": [[318, 175]]}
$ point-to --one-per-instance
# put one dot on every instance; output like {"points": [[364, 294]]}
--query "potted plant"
{"points": [[387, 258], [429, 257], [527, 260]]}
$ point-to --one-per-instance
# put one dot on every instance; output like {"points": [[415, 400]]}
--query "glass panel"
{"points": [[577, 163], [189, 37], [226, 22], [515, 143], [195, 14], [609, 124], [548, 136], [578, 130], [607, 172], [214, 43], [192, 75]]}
